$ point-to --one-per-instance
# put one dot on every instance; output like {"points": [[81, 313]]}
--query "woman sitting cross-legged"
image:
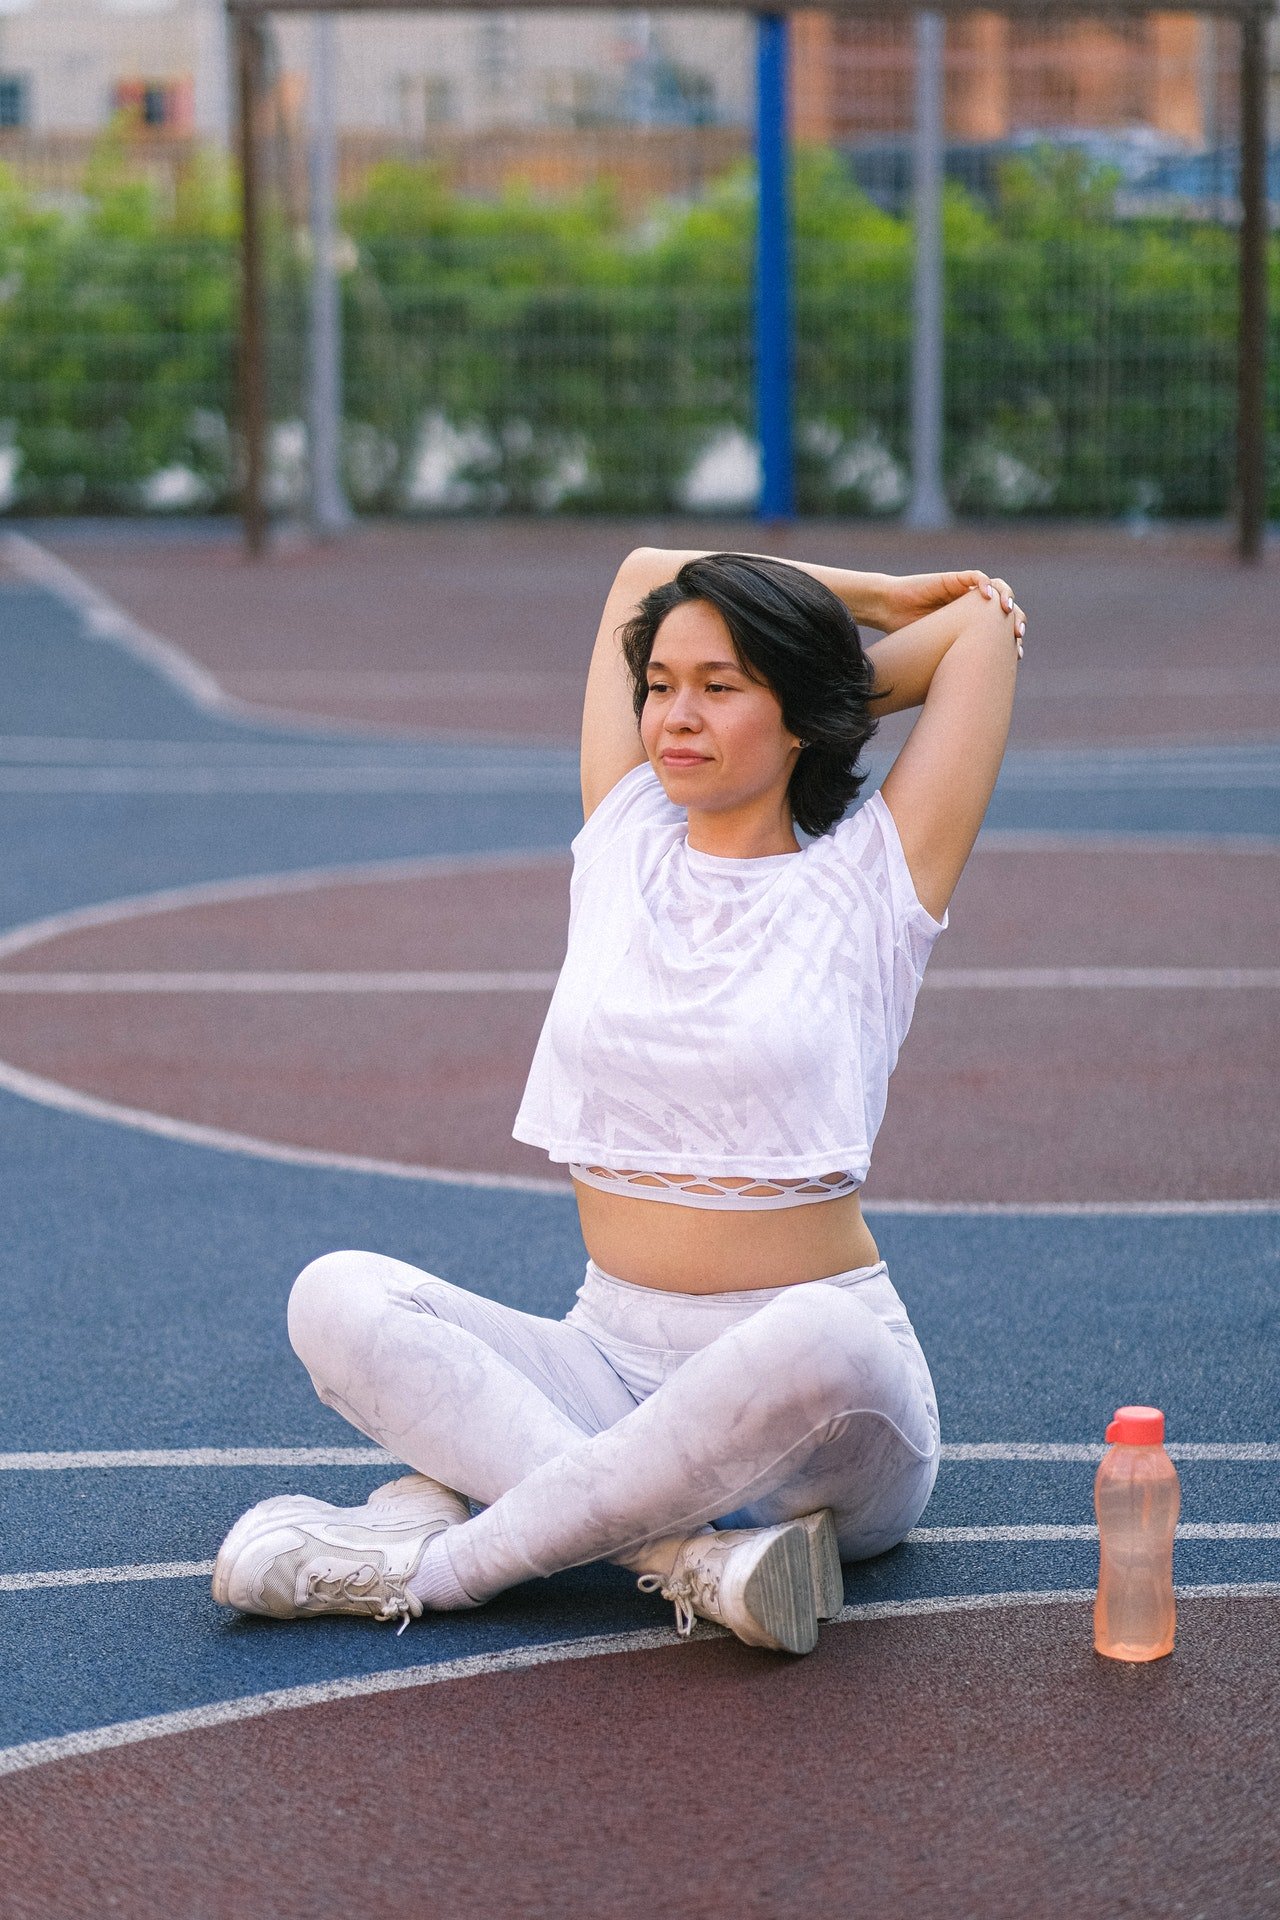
{"points": [[737, 1400]]}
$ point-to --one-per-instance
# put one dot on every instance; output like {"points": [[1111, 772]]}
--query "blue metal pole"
{"points": [[773, 273]]}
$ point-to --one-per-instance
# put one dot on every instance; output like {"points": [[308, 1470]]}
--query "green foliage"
{"points": [[524, 352], [116, 323]]}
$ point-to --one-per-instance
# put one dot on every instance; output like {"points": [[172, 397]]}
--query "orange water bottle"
{"points": [[1136, 1498]]}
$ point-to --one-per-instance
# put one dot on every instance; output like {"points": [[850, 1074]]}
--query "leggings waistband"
{"points": [[747, 1297], [652, 1317]]}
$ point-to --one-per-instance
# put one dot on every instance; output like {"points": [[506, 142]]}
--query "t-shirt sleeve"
{"points": [[868, 849], [636, 802], [914, 927]]}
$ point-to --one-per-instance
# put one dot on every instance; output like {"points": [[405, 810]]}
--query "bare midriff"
{"points": [[704, 1250]]}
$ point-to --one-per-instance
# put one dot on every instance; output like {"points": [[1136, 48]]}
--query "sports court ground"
{"points": [[283, 891]]}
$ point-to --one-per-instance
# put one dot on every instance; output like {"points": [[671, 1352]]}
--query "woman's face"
{"points": [[714, 737]]}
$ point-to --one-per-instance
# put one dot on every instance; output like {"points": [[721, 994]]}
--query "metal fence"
{"points": [[551, 315]]}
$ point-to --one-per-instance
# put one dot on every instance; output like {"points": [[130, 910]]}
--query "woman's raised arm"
{"points": [[960, 664]]}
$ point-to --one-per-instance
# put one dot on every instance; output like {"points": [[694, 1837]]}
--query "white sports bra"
{"points": [[723, 1030]]}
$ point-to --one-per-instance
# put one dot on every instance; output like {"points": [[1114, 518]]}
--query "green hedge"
{"points": [[529, 354]]}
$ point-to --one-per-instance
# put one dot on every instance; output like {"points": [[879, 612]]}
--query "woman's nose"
{"points": [[683, 712]]}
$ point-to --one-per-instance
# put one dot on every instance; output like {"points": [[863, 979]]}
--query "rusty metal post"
{"points": [[251, 358], [1251, 415]]}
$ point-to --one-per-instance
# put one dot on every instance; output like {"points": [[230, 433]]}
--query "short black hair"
{"points": [[796, 636]]}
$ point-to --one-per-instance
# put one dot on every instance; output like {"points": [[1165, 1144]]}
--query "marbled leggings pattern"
{"points": [[641, 1415]]}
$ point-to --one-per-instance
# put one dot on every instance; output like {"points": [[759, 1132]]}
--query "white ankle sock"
{"points": [[435, 1583]]}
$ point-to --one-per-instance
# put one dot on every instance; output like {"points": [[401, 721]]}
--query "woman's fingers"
{"points": [[993, 588]]}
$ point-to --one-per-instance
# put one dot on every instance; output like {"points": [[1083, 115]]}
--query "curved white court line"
{"points": [[63, 1099], [124, 1733], [50, 1093], [105, 619], [263, 886]]}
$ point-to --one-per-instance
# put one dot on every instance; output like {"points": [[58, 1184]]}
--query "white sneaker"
{"points": [[295, 1555], [428, 1500], [758, 1583]]}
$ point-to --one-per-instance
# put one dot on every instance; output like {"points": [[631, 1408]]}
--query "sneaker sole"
{"points": [[778, 1593], [824, 1562]]}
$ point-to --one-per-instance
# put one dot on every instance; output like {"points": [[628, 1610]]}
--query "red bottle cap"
{"points": [[1137, 1427]]}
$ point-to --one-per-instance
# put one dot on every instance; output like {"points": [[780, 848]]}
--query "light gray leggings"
{"points": [[640, 1416]]}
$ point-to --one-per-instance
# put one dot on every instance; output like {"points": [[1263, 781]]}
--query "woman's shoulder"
{"points": [[866, 848], [633, 805]]}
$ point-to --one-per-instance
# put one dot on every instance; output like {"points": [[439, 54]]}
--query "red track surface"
{"points": [[983, 1766], [1012, 1095], [487, 626]]}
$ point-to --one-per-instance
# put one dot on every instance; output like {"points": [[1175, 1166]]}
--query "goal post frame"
{"points": [[245, 18]]}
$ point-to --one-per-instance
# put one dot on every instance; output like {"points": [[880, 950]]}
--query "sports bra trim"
{"points": [[717, 1192]]}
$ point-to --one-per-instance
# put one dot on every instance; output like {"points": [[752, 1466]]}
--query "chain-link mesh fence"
{"points": [[547, 229]]}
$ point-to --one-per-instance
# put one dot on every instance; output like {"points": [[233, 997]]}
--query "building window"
{"points": [[15, 100], [155, 106]]}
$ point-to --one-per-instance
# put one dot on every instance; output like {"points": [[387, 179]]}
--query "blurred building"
{"points": [[660, 101], [1171, 72]]}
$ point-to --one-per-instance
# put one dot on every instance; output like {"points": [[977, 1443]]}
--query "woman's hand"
{"points": [[908, 597]]}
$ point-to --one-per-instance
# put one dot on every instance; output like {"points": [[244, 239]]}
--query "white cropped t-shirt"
{"points": [[720, 1017]]}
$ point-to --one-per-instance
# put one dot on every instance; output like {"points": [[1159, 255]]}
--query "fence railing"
{"points": [[512, 352]]}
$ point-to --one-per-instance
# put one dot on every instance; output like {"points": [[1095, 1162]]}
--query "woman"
{"points": [[737, 1399]]}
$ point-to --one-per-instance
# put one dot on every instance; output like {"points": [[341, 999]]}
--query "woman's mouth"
{"points": [[672, 758]]}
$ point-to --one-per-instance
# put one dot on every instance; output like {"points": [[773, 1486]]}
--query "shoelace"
{"points": [[687, 1592], [387, 1599]]}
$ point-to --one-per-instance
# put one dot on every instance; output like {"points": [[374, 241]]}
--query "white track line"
{"points": [[962, 979], [918, 1537], [957, 1452], [93, 983], [107, 621], [265, 886], [74, 1746], [1187, 1530], [201, 781], [976, 1451], [75, 1461], [104, 1576], [71, 749], [1100, 979], [1081, 840]]}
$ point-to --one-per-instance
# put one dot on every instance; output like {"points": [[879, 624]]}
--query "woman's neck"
{"points": [[753, 832]]}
